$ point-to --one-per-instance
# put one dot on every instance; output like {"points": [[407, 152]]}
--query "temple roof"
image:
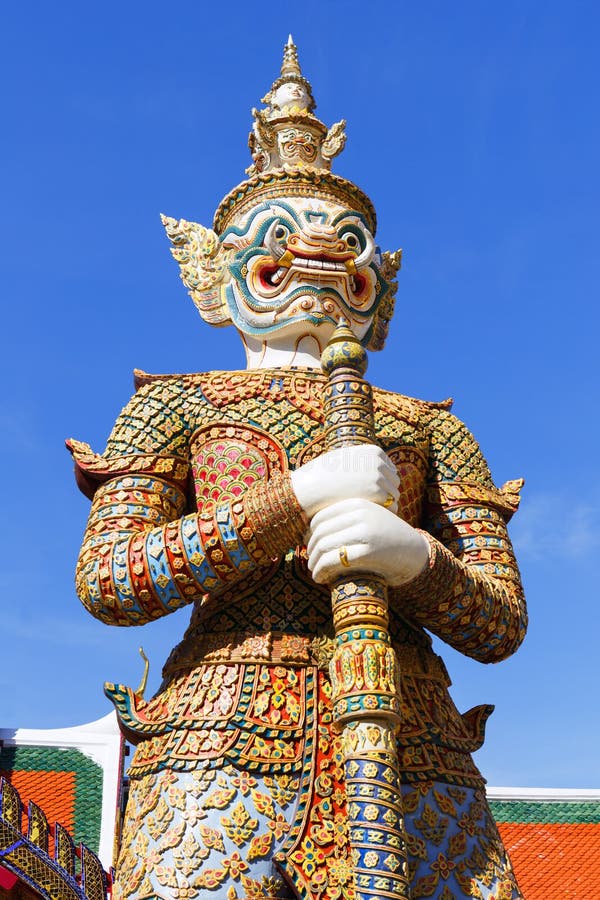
{"points": [[73, 774], [553, 839]]}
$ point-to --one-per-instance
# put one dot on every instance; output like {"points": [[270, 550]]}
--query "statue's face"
{"points": [[291, 93], [299, 265]]}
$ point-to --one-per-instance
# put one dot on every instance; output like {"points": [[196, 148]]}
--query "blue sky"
{"points": [[474, 128]]}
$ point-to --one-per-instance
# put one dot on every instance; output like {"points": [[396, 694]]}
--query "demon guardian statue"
{"points": [[295, 748]]}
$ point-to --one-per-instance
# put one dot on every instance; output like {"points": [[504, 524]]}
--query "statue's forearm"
{"points": [[470, 595], [142, 559]]}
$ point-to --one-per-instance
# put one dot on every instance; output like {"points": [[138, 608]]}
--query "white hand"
{"points": [[374, 538], [364, 471]]}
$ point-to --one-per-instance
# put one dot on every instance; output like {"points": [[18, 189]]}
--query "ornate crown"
{"points": [[292, 150]]}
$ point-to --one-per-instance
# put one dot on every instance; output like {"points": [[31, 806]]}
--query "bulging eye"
{"points": [[352, 241], [281, 233], [276, 238]]}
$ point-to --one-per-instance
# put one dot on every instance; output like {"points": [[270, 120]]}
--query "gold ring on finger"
{"points": [[344, 556], [388, 501]]}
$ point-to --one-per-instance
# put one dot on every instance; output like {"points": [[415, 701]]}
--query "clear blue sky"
{"points": [[474, 127]]}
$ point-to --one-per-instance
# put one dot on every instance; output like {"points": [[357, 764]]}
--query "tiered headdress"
{"points": [[292, 151]]}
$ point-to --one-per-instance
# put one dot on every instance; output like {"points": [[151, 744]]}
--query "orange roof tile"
{"points": [[54, 792], [554, 861]]}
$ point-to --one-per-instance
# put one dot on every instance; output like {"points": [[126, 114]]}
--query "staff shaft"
{"points": [[364, 669]]}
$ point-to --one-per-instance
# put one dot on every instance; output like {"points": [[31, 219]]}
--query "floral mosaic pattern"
{"points": [[454, 847], [205, 833], [216, 717]]}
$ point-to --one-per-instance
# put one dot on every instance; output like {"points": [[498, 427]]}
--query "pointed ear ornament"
{"points": [[203, 264], [390, 264]]}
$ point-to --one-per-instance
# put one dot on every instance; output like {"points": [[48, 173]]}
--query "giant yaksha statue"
{"points": [[303, 742]]}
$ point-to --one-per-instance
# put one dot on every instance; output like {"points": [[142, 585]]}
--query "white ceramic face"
{"points": [[291, 93], [298, 265]]}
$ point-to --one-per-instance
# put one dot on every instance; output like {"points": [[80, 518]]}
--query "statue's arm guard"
{"points": [[142, 556], [470, 594]]}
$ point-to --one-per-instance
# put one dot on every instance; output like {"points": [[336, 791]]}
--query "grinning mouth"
{"points": [[338, 260], [318, 262], [271, 274], [335, 261]]}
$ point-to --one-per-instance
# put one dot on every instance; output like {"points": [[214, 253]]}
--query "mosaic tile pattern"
{"points": [[65, 783], [42, 857], [156, 540], [554, 846]]}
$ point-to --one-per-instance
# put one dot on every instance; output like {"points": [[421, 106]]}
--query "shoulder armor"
{"points": [[92, 469], [141, 378], [385, 395], [462, 474], [185, 379], [408, 409], [150, 437], [471, 493], [447, 404]]}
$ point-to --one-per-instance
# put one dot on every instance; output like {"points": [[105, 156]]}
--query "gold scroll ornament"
{"points": [[364, 669]]}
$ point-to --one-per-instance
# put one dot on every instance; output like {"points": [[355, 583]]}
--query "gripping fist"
{"points": [[371, 538], [364, 471]]}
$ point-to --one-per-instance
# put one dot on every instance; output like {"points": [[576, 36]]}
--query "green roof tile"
{"points": [[546, 811], [88, 782]]}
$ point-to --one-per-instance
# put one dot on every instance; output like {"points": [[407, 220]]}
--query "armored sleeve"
{"points": [[470, 595], [147, 551]]}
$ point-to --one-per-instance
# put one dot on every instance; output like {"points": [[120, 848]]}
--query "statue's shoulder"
{"points": [[176, 383], [457, 460], [150, 436], [209, 387], [192, 392], [410, 408]]}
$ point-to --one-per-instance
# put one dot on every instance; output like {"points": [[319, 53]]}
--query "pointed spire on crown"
{"points": [[286, 134], [290, 64], [291, 91]]}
